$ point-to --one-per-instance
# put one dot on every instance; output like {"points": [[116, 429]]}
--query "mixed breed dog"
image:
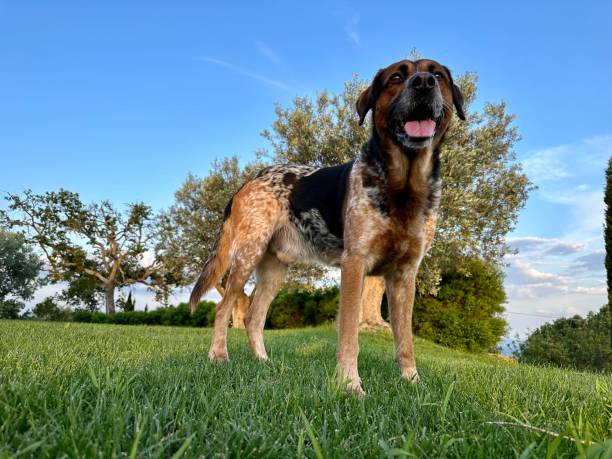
{"points": [[375, 215]]}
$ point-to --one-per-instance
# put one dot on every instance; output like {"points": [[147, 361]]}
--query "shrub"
{"points": [[465, 312], [100, 318], [49, 310], [9, 309], [80, 315], [204, 316], [294, 308], [577, 342]]}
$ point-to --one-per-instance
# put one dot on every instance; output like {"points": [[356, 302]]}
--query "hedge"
{"points": [[290, 309], [204, 316]]}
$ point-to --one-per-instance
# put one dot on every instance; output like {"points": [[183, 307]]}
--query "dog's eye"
{"points": [[396, 78], [439, 75]]}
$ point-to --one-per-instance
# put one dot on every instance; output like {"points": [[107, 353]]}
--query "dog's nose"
{"points": [[422, 81]]}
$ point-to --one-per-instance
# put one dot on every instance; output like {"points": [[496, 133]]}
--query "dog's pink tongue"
{"points": [[423, 128]]}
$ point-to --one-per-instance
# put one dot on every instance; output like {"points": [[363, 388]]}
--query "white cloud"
{"points": [[571, 177], [590, 262], [551, 278], [520, 270], [43, 293], [586, 209], [551, 246], [565, 161], [267, 52], [248, 73], [547, 164], [351, 29]]}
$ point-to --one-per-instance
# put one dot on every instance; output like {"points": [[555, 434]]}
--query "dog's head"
{"points": [[411, 102]]}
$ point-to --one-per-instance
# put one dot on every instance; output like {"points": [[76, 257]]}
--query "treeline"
{"points": [[581, 343], [292, 308], [465, 314]]}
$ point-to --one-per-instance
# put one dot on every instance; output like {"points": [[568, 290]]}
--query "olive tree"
{"points": [[94, 240]]}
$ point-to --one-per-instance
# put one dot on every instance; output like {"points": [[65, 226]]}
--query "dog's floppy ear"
{"points": [[367, 99], [457, 96], [458, 102]]}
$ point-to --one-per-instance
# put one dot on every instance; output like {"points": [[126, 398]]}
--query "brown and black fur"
{"points": [[375, 215]]}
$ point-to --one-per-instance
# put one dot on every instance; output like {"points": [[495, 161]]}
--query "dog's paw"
{"points": [[350, 383], [411, 375], [218, 356], [356, 390], [261, 356]]}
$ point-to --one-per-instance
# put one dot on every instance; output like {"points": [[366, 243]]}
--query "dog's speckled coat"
{"points": [[374, 215]]}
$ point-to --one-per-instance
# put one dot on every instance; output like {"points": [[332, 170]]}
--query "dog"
{"points": [[375, 215]]}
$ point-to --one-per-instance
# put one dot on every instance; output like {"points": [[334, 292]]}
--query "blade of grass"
{"points": [[313, 437]]}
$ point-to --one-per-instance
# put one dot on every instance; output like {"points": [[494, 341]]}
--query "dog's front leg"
{"points": [[351, 285], [400, 286]]}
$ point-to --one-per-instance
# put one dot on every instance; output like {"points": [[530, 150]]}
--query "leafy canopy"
{"points": [[19, 267], [483, 186], [95, 240], [466, 312], [577, 342]]}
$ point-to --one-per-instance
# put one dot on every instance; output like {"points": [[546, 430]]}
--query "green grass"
{"points": [[129, 391]]}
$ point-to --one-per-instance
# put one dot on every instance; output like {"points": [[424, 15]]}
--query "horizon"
{"points": [[121, 102]]}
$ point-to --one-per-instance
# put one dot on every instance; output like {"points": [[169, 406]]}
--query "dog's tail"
{"points": [[215, 267]]}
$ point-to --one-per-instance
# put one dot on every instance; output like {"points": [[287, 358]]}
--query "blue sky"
{"points": [[120, 100]]}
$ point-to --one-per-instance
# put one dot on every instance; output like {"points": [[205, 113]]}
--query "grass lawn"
{"points": [[89, 390]]}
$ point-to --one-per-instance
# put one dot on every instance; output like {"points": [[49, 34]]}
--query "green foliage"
{"points": [[19, 269], [66, 393], [291, 308], [294, 308], [49, 310], [608, 240], [96, 240], [323, 131], [9, 309], [465, 313], [83, 292], [204, 316], [128, 304], [577, 342], [483, 186]]}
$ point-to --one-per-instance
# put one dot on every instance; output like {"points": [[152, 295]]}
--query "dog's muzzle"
{"points": [[418, 111]]}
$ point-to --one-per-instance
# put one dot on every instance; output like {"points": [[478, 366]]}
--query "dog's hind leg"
{"points": [[254, 215], [245, 257], [271, 273]]}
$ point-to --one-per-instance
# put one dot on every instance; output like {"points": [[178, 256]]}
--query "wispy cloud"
{"points": [[549, 246], [248, 73], [351, 28], [552, 278], [585, 209], [561, 162], [267, 52], [570, 179], [591, 262], [524, 281], [546, 165]]}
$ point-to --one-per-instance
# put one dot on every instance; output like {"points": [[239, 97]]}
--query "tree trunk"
{"points": [[110, 298], [370, 316], [240, 309]]}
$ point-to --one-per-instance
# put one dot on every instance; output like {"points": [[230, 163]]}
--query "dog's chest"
{"points": [[387, 230]]}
